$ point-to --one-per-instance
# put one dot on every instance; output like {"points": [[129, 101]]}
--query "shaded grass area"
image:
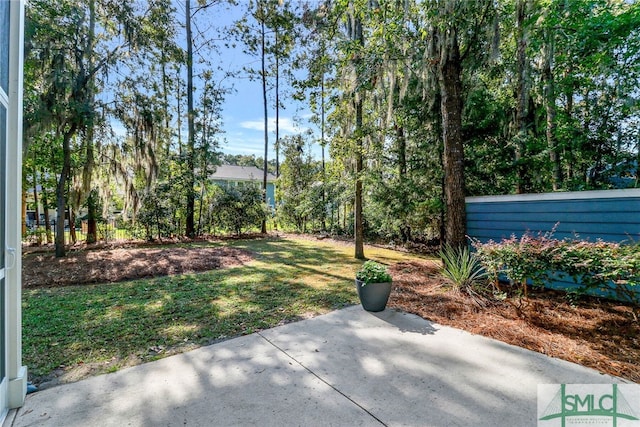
{"points": [[92, 329]]}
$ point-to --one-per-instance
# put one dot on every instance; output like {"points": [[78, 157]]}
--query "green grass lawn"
{"points": [[112, 325]]}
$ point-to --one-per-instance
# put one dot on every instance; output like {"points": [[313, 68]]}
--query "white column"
{"points": [[16, 372]]}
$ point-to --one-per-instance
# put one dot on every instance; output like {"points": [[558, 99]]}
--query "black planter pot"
{"points": [[373, 296]]}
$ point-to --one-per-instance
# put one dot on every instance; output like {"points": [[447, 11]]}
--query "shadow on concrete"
{"points": [[349, 367], [406, 323]]}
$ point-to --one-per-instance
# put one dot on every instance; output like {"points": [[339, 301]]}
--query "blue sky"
{"points": [[243, 118], [243, 115], [242, 109]]}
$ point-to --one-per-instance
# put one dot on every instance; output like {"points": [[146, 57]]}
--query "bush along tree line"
{"points": [[415, 104], [597, 268]]}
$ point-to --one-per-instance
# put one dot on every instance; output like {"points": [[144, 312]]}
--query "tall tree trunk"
{"points": [[322, 144], [550, 107], [401, 139], [204, 170], [450, 84], [522, 96], [92, 203], [92, 226], [584, 142], [190, 173], [23, 211], [61, 188], [35, 200], [344, 216], [263, 74], [92, 214], [179, 115], [45, 209], [277, 88], [72, 224], [165, 100], [358, 223], [402, 153], [568, 146], [358, 37]]}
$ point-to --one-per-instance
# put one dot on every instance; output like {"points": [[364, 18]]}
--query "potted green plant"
{"points": [[373, 283]]}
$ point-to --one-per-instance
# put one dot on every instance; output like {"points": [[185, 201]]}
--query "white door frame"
{"points": [[4, 108], [16, 373]]}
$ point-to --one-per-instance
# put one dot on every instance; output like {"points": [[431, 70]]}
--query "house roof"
{"points": [[240, 173]]}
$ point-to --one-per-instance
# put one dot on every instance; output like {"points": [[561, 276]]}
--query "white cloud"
{"points": [[287, 126], [238, 144], [247, 137], [236, 149], [252, 124]]}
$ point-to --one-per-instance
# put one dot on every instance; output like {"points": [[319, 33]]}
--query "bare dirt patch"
{"points": [[43, 269], [593, 332]]}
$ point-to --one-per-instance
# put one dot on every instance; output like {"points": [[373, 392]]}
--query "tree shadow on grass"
{"points": [[121, 323], [148, 319]]}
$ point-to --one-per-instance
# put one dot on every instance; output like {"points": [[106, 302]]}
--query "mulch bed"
{"points": [[43, 269], [597, 333]]}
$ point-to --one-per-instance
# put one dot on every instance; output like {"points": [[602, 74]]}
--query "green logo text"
{"points": [[588, 404]]}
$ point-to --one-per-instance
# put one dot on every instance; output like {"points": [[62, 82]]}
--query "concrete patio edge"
{"points": [[348, 367]]}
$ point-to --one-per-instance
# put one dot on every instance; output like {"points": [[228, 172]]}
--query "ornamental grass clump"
{"points": [[461, 267], [373, 272]]}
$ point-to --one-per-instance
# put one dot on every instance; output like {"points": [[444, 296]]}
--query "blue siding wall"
{"points": [[611, 215]]}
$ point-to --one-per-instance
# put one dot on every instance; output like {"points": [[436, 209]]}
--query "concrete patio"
{"points": [[347, 368]]}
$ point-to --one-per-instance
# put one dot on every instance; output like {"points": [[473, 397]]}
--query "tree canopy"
{"points": [[415, 106]]}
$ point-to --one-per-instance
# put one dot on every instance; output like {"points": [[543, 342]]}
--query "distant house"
{"points": [[229, 175]]}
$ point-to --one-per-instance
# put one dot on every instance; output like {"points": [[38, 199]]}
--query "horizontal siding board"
{"points": [[576, 206], [575, 195], [485, 236], [498, 235], [622, 230], [552, 217], [611, 216], [568, 285], [593, 236], [563, 282], [514, 226]]}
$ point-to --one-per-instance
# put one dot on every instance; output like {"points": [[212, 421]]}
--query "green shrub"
{"points": [[235, 209], [461, 267], [373, 272], [609, 267]]}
